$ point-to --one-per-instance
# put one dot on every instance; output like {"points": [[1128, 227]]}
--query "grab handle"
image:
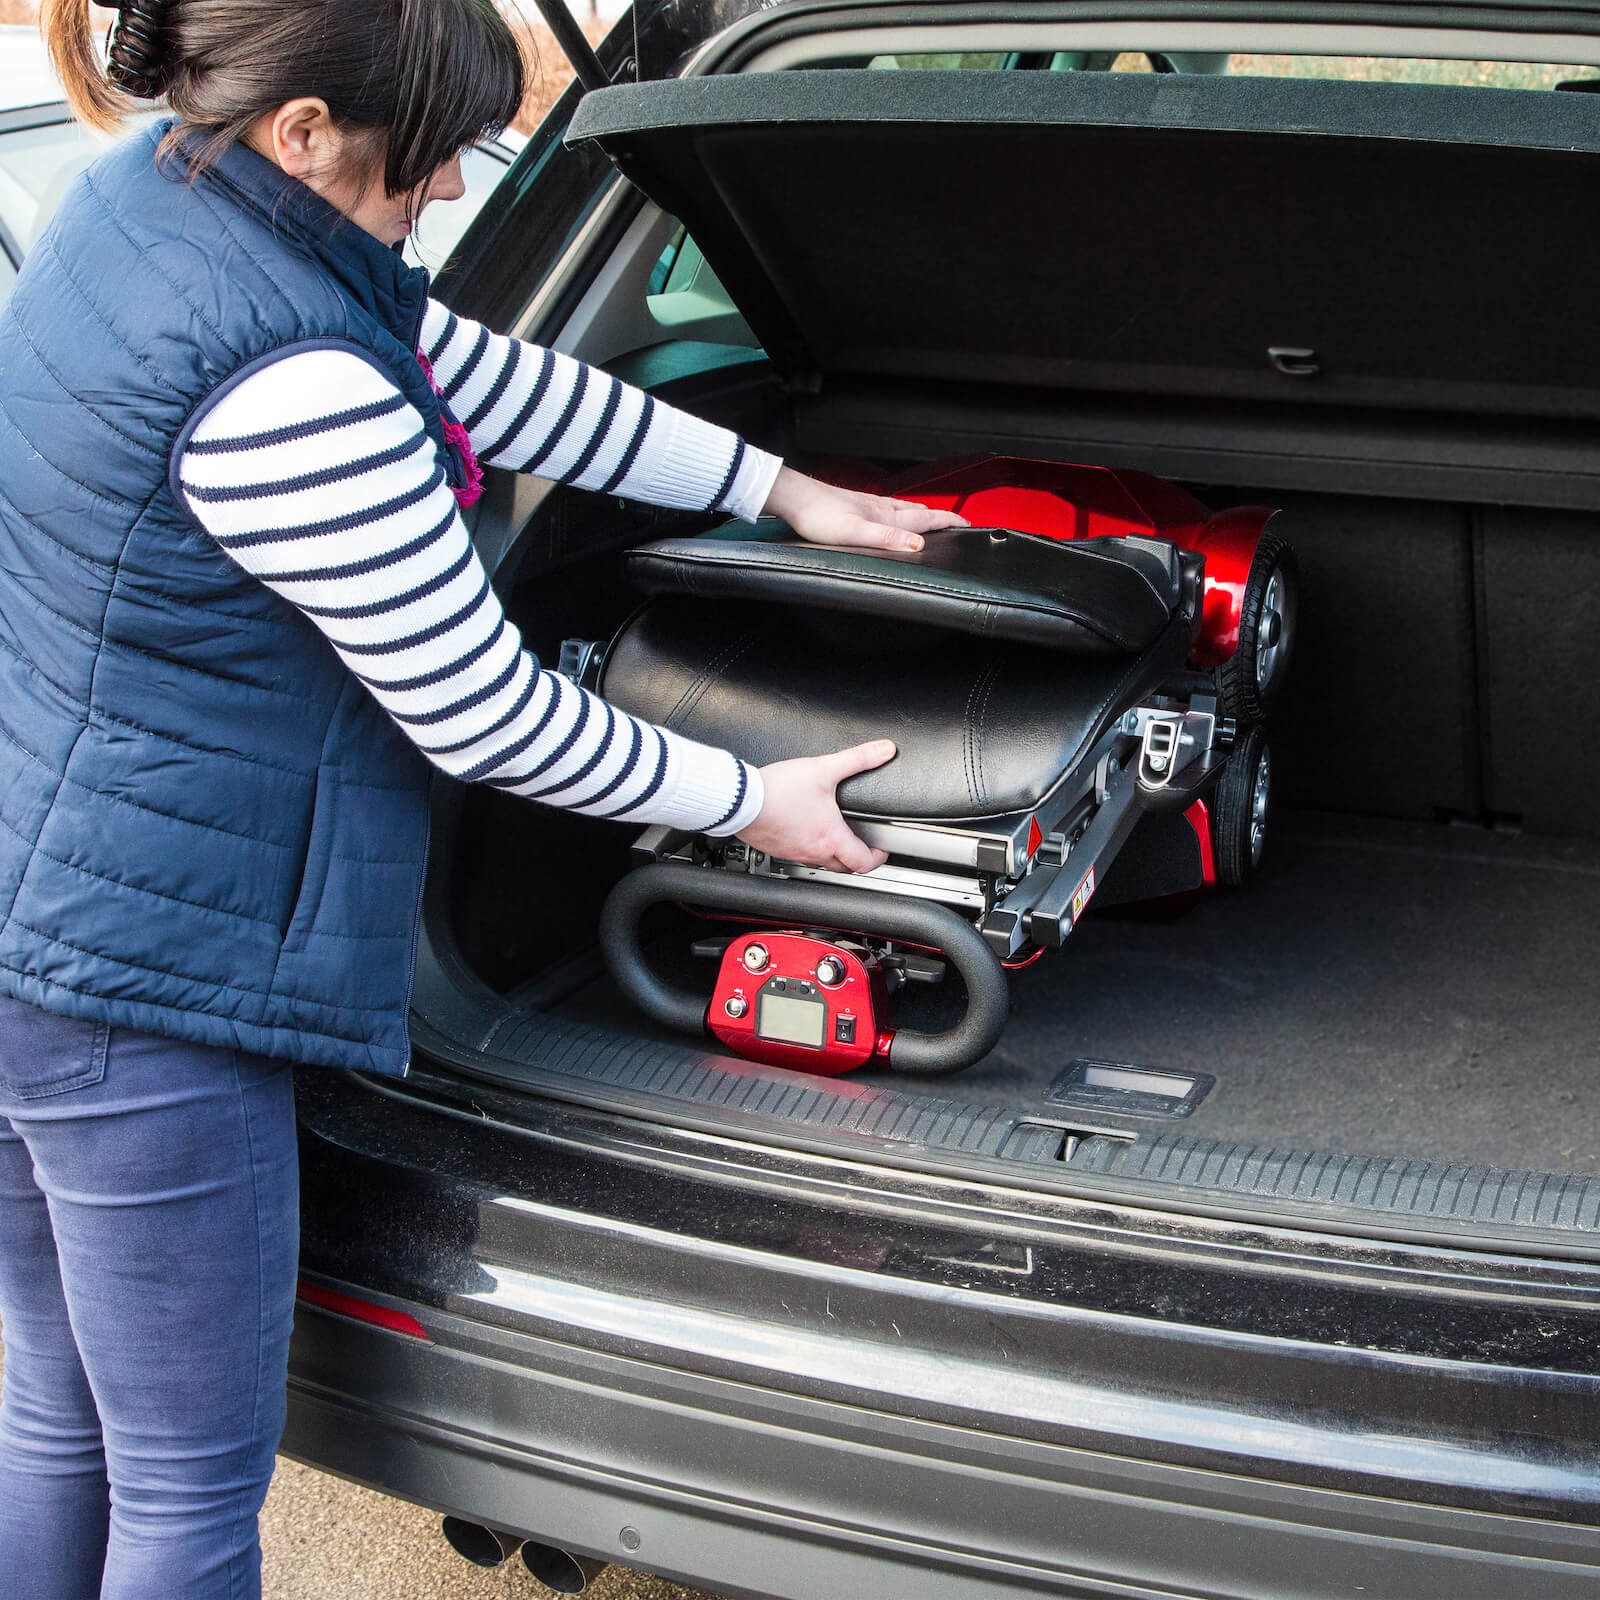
{"points": [[835, 907]]}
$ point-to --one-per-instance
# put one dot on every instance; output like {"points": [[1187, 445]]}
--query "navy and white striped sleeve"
{"points": [[316, 475], [533, 410]]}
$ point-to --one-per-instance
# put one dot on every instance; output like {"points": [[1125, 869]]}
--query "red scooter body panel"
{"points": [[1053, 498], [1198, 817], [1228, 542]]}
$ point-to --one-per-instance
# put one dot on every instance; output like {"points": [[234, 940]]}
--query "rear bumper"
{"points": [[752, 1491], [778, 1375]]}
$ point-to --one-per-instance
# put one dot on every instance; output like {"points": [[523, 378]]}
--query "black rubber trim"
{"points": [[1447, 1192]]}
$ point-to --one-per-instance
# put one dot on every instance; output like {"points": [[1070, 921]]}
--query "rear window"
{"points": [[1368, 69], [955, 61], [1394, 69]]}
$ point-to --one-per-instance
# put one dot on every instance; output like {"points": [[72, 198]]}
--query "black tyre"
{"points": [[1253, 679], [1240, 808]]}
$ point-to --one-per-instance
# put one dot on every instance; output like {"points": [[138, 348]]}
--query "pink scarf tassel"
{"points": [[456, 437]]}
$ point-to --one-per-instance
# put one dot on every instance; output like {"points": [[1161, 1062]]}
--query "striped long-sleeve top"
{"points": [[316, 475]]}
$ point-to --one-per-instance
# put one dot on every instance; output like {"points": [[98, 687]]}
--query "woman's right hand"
{"points": [[800, 818]]}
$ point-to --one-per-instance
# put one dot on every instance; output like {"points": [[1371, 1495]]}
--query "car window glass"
{"points": [[686, 299], [1369, 69], [1394, 69], [36, 167], [972, 60], [661, 272], [440, 228], [1012, 61]]}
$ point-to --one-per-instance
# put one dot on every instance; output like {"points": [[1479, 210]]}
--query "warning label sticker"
{"points": [[1081, 898]]}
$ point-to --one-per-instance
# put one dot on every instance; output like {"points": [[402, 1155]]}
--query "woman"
{"points": [[239, 618]]}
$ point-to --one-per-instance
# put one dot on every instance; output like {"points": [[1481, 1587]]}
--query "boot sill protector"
{"points": [[1378, 1196]]}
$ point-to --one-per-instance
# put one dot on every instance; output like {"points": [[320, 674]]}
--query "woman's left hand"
{"points": [[823, 514]]}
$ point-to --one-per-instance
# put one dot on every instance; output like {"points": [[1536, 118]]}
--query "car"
{"points": [[43, 147], [1259, 1257]]}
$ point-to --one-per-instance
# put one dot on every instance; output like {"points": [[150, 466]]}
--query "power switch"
{"points": [[844, 1030]]}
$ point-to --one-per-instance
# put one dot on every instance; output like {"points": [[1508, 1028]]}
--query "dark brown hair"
{"points": [[424, 77]]}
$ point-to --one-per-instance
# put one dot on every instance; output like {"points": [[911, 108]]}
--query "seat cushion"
{"points": [[1084, 597], [983, 728]]}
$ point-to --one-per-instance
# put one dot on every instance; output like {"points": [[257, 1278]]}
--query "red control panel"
{"points": [[795, 1000]]}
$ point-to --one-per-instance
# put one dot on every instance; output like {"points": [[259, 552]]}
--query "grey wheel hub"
{"points": [[1270, 642], [1260, 797]]}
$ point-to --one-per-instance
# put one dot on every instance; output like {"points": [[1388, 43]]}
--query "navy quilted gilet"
{"points": [[207, 827]]}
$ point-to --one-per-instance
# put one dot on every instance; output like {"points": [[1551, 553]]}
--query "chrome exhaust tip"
{"points": [[483, 1547], [560, 1570]]}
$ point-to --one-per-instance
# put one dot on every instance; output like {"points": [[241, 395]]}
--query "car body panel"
{"points": [[971, 1305], [900, 1382], [761, 1492]]}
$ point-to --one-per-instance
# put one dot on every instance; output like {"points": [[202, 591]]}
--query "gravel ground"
{"points": [[324, 1539]]}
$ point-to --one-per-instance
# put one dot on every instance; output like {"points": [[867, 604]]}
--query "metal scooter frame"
{"points": [[1158, 756]]}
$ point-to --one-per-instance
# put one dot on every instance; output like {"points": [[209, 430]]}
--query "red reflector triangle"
{"points": [[1035, 838], [347, 1305]]}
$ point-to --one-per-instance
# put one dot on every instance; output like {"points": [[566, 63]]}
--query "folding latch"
{"points": [[1158, 750], [581, 660], [1105, 770]]}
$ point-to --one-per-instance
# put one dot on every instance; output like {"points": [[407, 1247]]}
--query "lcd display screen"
{"points": [[791, 1021]]}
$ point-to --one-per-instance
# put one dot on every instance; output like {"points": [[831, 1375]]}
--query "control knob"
{"points": [[830, 971]]}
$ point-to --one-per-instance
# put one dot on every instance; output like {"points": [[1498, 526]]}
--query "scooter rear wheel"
{"points": [[1253, 678], [1240, 810]]}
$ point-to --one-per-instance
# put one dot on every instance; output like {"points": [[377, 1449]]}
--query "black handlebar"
{"points": [[810, 905]]}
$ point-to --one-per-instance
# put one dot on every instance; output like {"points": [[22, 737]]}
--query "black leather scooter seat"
{"points": [[1088, 597], [983, 728]]}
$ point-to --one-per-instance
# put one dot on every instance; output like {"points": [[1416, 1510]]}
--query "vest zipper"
{"points": [[416, 933]]}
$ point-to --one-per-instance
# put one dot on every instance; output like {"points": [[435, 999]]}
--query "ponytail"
{"points": [[74, 47]]}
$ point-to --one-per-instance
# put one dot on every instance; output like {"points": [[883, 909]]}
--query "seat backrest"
{"points": [[1081, 597]]}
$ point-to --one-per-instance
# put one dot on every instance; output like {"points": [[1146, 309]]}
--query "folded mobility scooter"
{"points": [[1076, 682]]}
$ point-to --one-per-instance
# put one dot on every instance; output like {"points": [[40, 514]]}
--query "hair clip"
{"points": [[134, 54]]}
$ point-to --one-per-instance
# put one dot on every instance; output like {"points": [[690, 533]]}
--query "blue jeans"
{"points": [[149, 1232]]}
